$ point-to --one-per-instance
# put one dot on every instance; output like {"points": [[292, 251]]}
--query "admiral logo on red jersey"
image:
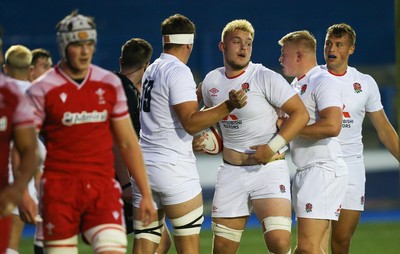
{"points": [[214, 91], [70, 118]]}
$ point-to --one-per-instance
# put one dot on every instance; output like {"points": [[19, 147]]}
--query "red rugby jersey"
{"points": [[15, 112], [74, 120]]}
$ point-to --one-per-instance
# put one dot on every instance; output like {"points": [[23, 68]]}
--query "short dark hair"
{"points": [[339, 30], [177, 24], [135, 53], [39, 53]]}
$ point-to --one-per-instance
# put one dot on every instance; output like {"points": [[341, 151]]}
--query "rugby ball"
{"points": [[212, 140]]}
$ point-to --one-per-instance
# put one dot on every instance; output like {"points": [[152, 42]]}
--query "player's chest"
{"points": [[87, 101], [355, 96]]}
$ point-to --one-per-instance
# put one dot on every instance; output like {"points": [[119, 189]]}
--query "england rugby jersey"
{"points": [[15, 112], [75, 120], [166, 82], [360, 95], [318, 90], [255, 123]]}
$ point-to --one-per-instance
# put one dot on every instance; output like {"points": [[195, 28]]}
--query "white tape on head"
{"points": [[178, 38]]}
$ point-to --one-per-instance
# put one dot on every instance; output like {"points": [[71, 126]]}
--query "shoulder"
{"points": [[263, 72], [360, 75], [9, 84], [104, 76]]}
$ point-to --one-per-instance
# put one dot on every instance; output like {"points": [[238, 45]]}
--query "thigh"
{"points": [[311, 230], [318, 193], [231, 198], [171, 183], [60, 208], [105, 205], [355, 195], [270, 181]]}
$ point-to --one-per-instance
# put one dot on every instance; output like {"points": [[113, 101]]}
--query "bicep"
{"points": [[185, 111], [293, 104]]}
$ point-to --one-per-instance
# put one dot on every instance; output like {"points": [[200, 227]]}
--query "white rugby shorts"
{"points": [[318, 192], [355, 195], [170, 183], [238, 185]]}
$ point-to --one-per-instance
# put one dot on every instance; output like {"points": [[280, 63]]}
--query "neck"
{"points": [[182, 53], [306, 68], [72, 72], [339, 70]]}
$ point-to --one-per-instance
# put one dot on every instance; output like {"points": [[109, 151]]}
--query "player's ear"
{"points": [[352, 49], [299, 55], [221, 46]]}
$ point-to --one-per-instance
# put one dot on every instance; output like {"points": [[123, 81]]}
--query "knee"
{"points": [[277, 233], [340, 245], [225, 238], [189, 224], [107, 237]]}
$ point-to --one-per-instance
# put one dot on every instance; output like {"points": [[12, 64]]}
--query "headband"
{"points": [[178, 38]]}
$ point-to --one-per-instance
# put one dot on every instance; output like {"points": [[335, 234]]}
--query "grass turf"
{"points": [[369, 238]]}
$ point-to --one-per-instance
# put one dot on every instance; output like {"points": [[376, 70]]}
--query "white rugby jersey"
{"points": [[254, 124], [166, 82], [23, 85], [318, 90], [360, 95]]}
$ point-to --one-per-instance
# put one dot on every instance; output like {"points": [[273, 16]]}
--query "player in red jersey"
{"points": [[16, 124], [80, 109]]}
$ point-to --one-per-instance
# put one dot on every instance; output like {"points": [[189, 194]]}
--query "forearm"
{"points": [[390, 140], [319, 130], [293, 126], [26, 169], [199, 120]]}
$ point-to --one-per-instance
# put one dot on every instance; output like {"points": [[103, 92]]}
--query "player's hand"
{"points": [[263, 154], [10, 197], [280, 122], [147, 211], [237, 99], [28, 209], [197, 144]]}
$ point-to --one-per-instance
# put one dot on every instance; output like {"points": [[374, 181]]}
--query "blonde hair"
{"points": [[18, 57], [238, 24], [303, 38]]}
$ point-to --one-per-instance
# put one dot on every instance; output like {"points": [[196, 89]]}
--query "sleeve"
{"points": [[328, 94], [182, 86], [36, 98], [24, 113], [374, 102], [278, 90], [204, 90]]}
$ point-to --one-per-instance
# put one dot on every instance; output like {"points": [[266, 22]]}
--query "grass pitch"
{"points": [[370, 238]]}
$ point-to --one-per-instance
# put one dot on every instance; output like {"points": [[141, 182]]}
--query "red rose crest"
{"points": [[303, 89], [308, 207], [246, 87], [357, 87]]}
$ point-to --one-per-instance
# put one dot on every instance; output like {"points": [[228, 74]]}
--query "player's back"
{"points": [[166, 82]]}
